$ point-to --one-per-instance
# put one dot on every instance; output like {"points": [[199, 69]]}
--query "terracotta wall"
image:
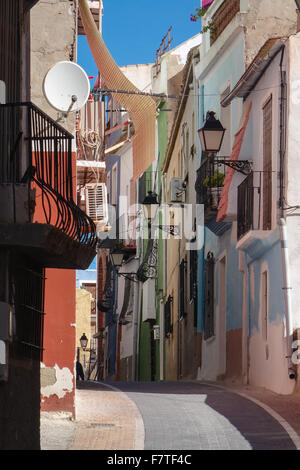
{"points": [[57, 369]]}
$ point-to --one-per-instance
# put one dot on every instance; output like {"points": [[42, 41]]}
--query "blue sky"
{"points": [[133, 29]]}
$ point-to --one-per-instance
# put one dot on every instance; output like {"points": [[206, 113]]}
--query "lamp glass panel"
{"points": [[83, 342], [213, 140], [150, 211], [117, 258], [201, 136]]}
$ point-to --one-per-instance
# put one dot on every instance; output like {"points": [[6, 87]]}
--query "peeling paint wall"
{"points": [[57, 21], [56, 381], [58, 368]]}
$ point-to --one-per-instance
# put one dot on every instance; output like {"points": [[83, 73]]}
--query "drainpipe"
{"points": [[283, 104], [135, 330], [136, 314], [287, 297], [179, 370], [282, 224]]}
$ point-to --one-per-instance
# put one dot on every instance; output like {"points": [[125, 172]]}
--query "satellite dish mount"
{"points": [[66, 88]]}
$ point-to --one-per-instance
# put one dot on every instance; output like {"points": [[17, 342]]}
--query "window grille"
{"points": [[27, 288], [182, 288], [193, 282], [209, 285], [168, 317]]}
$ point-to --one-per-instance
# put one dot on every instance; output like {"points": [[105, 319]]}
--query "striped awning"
{"points": [[142, 109], [236, 149]]}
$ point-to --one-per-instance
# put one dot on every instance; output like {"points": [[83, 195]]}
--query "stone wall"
{"points": [[53, 39]]}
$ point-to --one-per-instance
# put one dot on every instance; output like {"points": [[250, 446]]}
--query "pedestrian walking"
{"points": [[79, 371]]}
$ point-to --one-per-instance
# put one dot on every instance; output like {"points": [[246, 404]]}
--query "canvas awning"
{"points": [[142, 109], [236, 149]]}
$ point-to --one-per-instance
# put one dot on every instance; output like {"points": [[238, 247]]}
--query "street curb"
{"points": [[139, 441], [294, 436]]}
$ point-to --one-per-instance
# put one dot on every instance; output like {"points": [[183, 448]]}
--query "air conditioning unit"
{"points": [[177, 189], [96, 202]]}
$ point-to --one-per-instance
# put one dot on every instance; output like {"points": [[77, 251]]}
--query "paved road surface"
{"points": [[167, 416], [192, 416]]}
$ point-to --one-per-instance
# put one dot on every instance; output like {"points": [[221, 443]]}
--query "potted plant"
{"points": [[215, 184]]}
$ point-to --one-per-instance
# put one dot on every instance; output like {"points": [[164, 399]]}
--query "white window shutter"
{"points": [[149, 309], [96, 201]]}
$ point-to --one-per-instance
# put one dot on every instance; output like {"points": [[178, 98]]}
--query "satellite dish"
{"points": [[66, 87]]}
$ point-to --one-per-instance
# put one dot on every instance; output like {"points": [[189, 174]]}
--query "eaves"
{"points": [[256, 69], [187, 80]]}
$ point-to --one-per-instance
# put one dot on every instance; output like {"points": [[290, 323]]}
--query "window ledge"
{"points": [[210, 339], [256, 242]]}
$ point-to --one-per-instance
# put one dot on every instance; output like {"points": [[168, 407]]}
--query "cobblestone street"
{"points": [[174, 416]]}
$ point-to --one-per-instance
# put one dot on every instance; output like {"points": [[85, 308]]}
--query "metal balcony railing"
{"points": [[254, 204], [37, 152], [245, 199], [209, 185]]}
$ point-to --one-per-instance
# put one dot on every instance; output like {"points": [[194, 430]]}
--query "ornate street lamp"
{"points": [[83, 341], [117, 258], [211, 136], [149, 202]]}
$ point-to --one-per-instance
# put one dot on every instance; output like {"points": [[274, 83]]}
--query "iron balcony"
{"points": [[38, 213]]}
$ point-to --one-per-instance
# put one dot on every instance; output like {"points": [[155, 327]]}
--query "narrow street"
{"points": [[168, 416]]}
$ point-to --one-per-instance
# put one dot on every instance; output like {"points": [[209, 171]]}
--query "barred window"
{"points": [[168, 317], [182, 288], [193, 282], [28, 284], [209, 274]]}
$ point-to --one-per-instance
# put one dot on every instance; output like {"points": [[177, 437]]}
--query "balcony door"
{"points": [[267, 164]]}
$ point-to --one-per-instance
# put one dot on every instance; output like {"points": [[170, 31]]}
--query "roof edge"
{"points": [[256, 69]]}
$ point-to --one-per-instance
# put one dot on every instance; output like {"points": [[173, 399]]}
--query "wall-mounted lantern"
{"points": [[211, 137], [83, 341]]}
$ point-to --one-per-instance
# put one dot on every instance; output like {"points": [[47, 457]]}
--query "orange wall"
{"points": [[59, 333]]}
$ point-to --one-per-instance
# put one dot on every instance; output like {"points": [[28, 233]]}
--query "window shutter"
{"points": [[168, 319], [96, 201], [209, 273], [182, 288], [193, 282], [267, 165]]}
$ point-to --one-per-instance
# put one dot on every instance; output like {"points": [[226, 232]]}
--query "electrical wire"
{"points": [[104, 91]]}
